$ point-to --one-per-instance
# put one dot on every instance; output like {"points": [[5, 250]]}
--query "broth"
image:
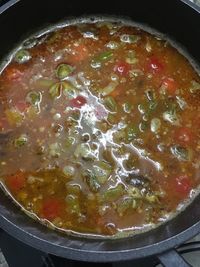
{"points": [[100, 127]]}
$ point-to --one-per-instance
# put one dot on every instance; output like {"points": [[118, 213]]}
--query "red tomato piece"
{"points": [[78, 102], [183, 185], [155, 65], [16, 181], [184, 136], [13, 74], [122, 68], [170, 85], [22, 106], [51, 208]]}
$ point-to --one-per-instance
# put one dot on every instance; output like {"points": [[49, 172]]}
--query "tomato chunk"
{"points": [[122, 68], [16, 181], [51, 208], [78, 102], [155, 65], [170, 85], [184, 136], [183, 185]]}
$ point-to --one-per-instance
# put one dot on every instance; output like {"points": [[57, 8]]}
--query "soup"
{"points": [[99, 129]]}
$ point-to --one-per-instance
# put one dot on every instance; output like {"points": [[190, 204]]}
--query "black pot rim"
{"points": [[98, 256], [90, 255]]}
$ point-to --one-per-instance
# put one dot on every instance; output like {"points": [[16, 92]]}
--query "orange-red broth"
{"points": [[100, 128]]}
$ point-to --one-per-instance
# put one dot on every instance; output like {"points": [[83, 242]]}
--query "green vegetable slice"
{"points": [[131, 132], [171, 116], [195, 86], [55, 90], [34, 98], [69, 90], [105, 56], [102, 171], [91, 180], [21, 141], [69, 170], [109, 88], [110, 103], [127, 107], [63, 71], [22, 56], [129, 38], [181, 153], [155, 125], [113, 193], [124, 205]]}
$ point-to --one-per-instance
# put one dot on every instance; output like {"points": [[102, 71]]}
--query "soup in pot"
{"points": [[100, 129]]}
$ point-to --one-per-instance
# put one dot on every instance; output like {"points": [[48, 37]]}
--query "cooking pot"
{"points": [[180, 20]]}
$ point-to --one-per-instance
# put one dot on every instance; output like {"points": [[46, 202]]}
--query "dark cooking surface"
{"points": [[18, 254]]}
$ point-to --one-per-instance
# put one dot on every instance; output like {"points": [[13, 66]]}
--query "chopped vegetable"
{"points": [[91, 180], [51, 208], [195, 86], [171, 116], [131, 132], [125, 204], [83, 150], [181, 153], [70, 141], [105, 56], [54, 150], [109, 88], [155, 125], [113, 193], [78, 102], [69, 90], [16, 181], [55, 90], [122, 68], [155, 65], [129, 38], [34, 98], [131, 58], [183, 185], [22, 56], [69, 171], [63, 71], [21, 140], [110, 103], [102, 171], [127, 107], [169, 85]]}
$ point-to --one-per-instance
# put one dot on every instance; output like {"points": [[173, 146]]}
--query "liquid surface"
{"points": [[99, 129]]}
